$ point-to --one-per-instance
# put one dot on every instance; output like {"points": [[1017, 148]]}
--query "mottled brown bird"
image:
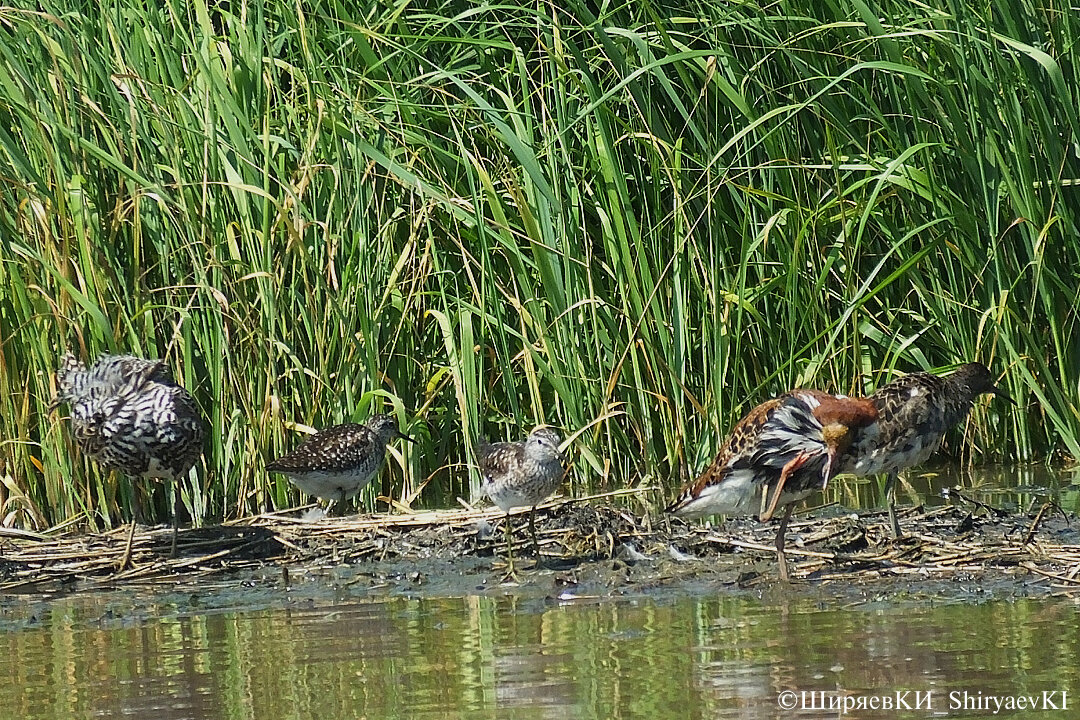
{"points": [[914, 413], [779, 453], [521, 474], [336, 463]]}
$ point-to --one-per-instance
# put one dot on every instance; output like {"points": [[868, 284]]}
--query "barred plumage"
{"points": [[336, 463], [521, 474], [779, 453], [128, 414]]}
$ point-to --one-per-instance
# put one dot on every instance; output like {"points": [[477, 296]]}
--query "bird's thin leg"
{"points": [[136, 505], [532, 532], [175, 515], [781, 531], [125, 559], [890, 499], [826, 472], [136, 513], [509, 549], [794, 464]]}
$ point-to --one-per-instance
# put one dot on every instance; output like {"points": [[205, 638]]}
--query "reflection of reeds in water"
{"points": [[707, 656], [1011, 487], [752, 651], [588, 658]]}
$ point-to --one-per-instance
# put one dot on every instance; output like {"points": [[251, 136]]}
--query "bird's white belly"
{"points": [[330, 485], [509, 496], [738, 494]]}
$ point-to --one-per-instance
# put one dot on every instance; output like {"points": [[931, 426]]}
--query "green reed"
{"points": [[490, 216]]}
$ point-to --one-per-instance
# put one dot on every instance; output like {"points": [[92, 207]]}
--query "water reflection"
{"points": [[1013, 488], [510, 657], [252, 649]]}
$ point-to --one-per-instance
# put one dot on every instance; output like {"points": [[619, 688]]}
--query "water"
{"points": [[648, 656], [342, 643], [1009, 487]]}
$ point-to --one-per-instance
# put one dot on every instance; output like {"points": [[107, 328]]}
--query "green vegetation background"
{"points": [[630, 219]]}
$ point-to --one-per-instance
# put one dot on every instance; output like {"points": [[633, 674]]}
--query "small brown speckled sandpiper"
{"points": [[336, 463], [914, 413], [521, 474]]}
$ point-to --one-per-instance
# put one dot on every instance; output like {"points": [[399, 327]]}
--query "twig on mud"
{"points": [[1067, 579], [997, 512], [747, 545], [1038, 518]]}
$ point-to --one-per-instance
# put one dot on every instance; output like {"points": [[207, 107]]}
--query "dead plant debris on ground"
{"points": [[827, 547]]}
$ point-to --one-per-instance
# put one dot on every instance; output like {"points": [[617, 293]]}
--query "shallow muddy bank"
{"points": [[963, 550]]}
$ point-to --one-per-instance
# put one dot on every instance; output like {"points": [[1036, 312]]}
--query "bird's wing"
{"points": [[335, 448]]}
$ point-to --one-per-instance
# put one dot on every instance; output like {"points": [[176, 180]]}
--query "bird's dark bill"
{"points": [[1002, 394]]}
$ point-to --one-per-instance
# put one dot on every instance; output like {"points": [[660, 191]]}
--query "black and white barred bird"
{"points": [[129, 415]]}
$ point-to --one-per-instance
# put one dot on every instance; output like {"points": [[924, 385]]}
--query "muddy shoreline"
{"points": [[963, 551]]}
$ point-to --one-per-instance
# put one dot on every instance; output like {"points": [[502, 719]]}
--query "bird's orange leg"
{"points": [[797, 462]]}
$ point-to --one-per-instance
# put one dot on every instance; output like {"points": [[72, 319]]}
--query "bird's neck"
{"points": [[957, 402], [538, 460]]}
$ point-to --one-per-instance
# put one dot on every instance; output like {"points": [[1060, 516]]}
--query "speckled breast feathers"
{"points": [[521, 474], [914, 413]]}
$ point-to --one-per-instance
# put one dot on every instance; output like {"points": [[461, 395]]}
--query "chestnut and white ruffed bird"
{"points": [[337, 463], [521, 474], [914, 413], [779, 453], [129, 415]]}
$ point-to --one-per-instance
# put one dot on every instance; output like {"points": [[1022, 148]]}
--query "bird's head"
{"points": [[385, 426], [543, 443], [973, 379]]}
